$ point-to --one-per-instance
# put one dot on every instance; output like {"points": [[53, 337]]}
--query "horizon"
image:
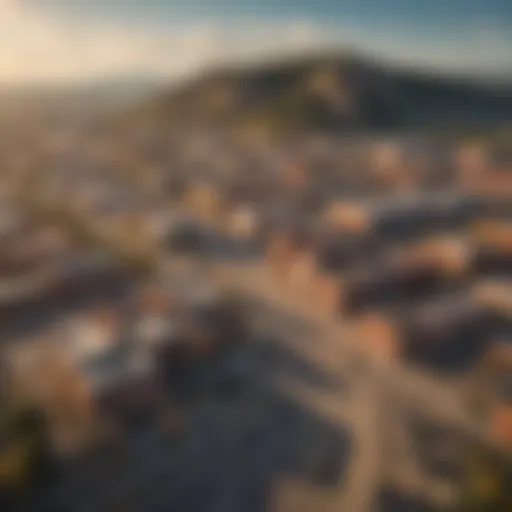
{"points": [[48, 43]]}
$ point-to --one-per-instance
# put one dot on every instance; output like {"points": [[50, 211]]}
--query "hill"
{"points": [[330, 93]]}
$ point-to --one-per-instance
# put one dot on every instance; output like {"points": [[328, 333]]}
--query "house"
{"points": [[495, 297], [380, 336], [288, 241], [278, 251], [12, 221], [328, 293], [338, 252], [89, 273], [88, 336], [391, 279], [500, 425], [123, 383], [402, 216], [471, 160], [204, 200], [392, 167], [296, 175], [450, 331], [495, 184], [493, 240], [348, 217], [244, 223], [496, 372], [115, 359], [336, 259], [443, 256], [446, 332], [186, 236], [154, 317], [211, 326], [42, 374]]}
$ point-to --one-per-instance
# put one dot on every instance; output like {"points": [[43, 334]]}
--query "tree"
{"points": [[487, 485], [25, 457]]}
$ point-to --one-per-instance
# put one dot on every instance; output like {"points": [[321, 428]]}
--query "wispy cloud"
{"points": [[39, 47]]}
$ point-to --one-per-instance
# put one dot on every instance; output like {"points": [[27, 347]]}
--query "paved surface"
{"points": [[334, 343], [344, 388], [374, 385]]}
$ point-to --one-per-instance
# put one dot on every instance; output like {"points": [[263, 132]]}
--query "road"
{"points": [[330, 346], [374, 385], [335, 344]]}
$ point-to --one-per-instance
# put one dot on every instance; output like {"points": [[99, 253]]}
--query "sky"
{"points": [[74, 41]]}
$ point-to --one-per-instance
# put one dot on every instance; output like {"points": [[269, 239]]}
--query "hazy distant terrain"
{"points": [[331, 93], [340, 93], [91, 99]]}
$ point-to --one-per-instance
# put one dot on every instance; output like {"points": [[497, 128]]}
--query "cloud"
{"points": [[39, 47], [36, 47]]}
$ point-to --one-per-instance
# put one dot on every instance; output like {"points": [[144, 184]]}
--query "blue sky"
{"points": [[76, 40], [426, 16], [451, 11]]}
